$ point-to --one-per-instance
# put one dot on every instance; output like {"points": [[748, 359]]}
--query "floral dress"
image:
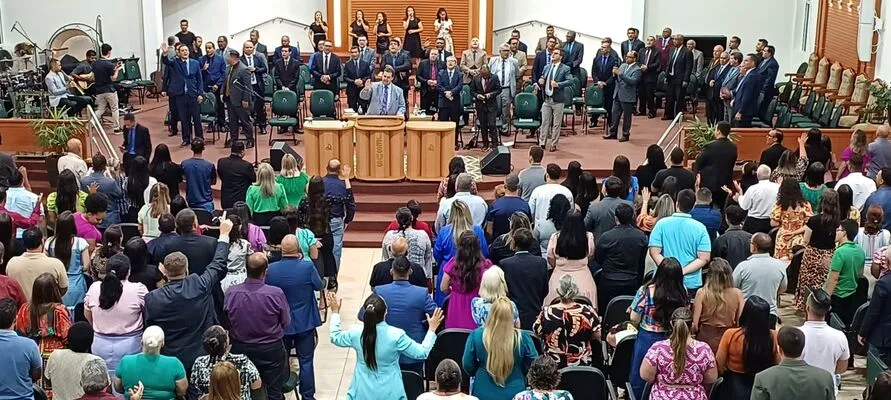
{"points": [[789, 221], [50, 333], [567, 332], [480, 309], [550, 395], [444, 31], [686, 386], [247, 373]]}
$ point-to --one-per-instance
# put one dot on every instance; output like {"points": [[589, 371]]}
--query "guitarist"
{"points": [[57, 84], [83, 74]]}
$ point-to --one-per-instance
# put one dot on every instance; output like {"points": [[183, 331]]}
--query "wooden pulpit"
{"points": [[380, 148], [431, 145], [325, 140]]}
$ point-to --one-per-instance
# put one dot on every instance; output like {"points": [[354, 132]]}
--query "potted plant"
{"points": [[698, 134], [880, 110], [53, 134]]}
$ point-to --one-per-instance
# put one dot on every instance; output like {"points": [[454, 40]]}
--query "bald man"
{"points": [[343, 208], [298, 278], [879, 151], [380, 274], [72, 160]]}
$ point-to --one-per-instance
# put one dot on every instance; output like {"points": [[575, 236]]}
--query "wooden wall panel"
{"points": [[461, 12], [837, 27]]}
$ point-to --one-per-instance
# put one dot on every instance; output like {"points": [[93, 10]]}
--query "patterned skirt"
{"points": [[814, 269]]}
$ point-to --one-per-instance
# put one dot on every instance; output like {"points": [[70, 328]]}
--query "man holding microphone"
{"points": [[235, 91]]}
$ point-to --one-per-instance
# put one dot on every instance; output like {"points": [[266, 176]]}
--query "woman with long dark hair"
{"points": [[447, 242], [140, 270], [586, 192], [7, 237], [382, 34], [646, 172], [569, 251], [278, 229], [558, 209], [359, 27], [177, 204], [413, 28], [461, 281], [872, 236], [747, 350], [45, 320], [651, 310], [115, 307], [216, 344], [415, 207], [314, 214], [74, 252], [318, 30], [112, 242], [443, 26], [138, 183], [253, 233], [813, 147], [749, 176], [573, 175], [378, 347], [819, 234], [718, 304], [447, 185], [792, 164], [622, 170], [813, 187], [420, 249], [858, 146], [846, 209], [165, 170], [679, 366], [790, 214], [67, 197]]}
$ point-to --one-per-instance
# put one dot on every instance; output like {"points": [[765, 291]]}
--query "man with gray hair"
{"points": [[94, 380], [478, 206], [498, 217], [506, 69], [758, 201]]}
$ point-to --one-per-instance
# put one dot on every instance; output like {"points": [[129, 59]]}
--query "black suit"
{"points": [[401, 63], [351, 72], [771, 155], [142, 145], [429, 94], [647, 88], [287, 76], [715, 167], [236, 176], [637, 45], [526, 276], [677, 73], [333, 70], [574, 51], [199, 250], [876, 328], [602, 71], [714, 106], [486, 109]]}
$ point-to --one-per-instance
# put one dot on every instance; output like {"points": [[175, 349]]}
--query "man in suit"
{"points": [[633, 43], [678, 69], [287, 74], [552, 84], [223, 47], [768, 69], [449, 85], [443, 53], [664, 44], [366, 53], [260, 48], [543, 41], [876, 328], [428, 73], [400, 62], [355, 73], [527, 276], [698, 60], [236, 176], [238, 99], [809, 382], [728, 83], [650, 64], [213, 70], [522, 60], [286, 43], [137, 141], [515, 34], [543, 59], [187, 87], [326, 69], [715, 163], [771, 155], [759, 47], [733, 45], [485, 90], [472, 59], [384, 97], [602, 75], [745, 94], [505, 68], [717, 70], [256, 65], [575, 51], [627, 76]]}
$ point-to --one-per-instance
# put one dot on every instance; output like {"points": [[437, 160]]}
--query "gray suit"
{"points": [[698, 64], [624, 96], [729, 83], [793, 379], [552, 107], [508, 84], [375, 93], [239, 116]]}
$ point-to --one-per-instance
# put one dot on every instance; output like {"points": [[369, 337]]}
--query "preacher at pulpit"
{"points": [[385, 97]]}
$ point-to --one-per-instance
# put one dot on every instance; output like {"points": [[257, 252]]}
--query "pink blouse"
{"points": [[124, 317]]}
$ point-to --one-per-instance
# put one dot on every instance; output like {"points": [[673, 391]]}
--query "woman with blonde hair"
{"points": [[163, 376], [492, 287], [498, 355], [224, 382], [265, 198], [717, 305], [293, 179], [858, 146], [663, 207], [446, 245], [679, 366], [159, 204]]}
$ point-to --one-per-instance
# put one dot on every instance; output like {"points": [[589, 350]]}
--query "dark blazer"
{"points": [[714, 92], [522, 47], [539, 64], [287, 76], [491, 90], [237, 92], [574, 58], [562, 77], [768, 70], [601, 73], [334, 71], [143, 142], [653, 63], [664, 50], [443, 85], [260, 66], [350, 73], [526, 276], [380, 275], [425, 72], [683, 66], [745, 94], [637, 45], [181, 77], [876, 328], [771, 155], [715, 164], [443, 55], [401, 62], [236, 176]]}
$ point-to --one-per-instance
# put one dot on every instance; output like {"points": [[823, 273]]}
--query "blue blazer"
{"points": [[297, 278], [745, 96], [260, 65], [563, 78], [539, 64], [768, 70], [443, 85], [215, 74], [350, 73], [182, 79], [407, 309]]}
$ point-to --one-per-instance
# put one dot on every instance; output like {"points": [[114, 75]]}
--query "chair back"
{"points": [[646, 392], [767, 116], [413, 383], [306, 76], [713, 394], [567, 93], [809, 103], [39, 393], [536, 341], [796, 96], [802, 68], [620, 363], [594, 96], [616, 312], [129, 230], [131, 69], [209, 105], [581, 80], [204, 217], [836, 322], [818, 109], [584, 383], [284, 102], [525, 105], [321, 104], [836, 116], [466, 97], [822, 71], [846, 88], [835, 76], [811, 70], [449, 344], [874, 367], [269, 86], [661, 84]]}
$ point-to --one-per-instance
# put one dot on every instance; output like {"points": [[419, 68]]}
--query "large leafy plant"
{"points": [[698, 134], [881, 95], [54, 132]]}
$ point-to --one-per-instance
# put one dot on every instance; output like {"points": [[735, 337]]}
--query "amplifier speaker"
{"points": [[497, 162], [278, 151]]}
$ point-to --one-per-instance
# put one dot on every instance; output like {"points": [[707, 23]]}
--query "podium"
{"points": [[431, 145], [325, 140], [379, 148]]}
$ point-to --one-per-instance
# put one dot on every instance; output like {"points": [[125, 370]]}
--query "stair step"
{"points": [[362, 239]]}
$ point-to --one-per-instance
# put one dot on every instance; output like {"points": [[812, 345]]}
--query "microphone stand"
{"points": [[17, 27], [256, 96]]}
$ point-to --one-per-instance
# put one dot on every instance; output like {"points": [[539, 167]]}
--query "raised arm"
{"points": [[216, 270]]}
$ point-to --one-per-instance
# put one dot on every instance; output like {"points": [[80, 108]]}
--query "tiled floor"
{"points": [[334, 366]]}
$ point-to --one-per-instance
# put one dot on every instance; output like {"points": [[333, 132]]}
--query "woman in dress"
{"points": [[858, 146], [165, 170], [813, 187], [492, 288], [747, 350], [137, 186], [253, 233], [420, 249], [265, 198], [45, 320], [679, 366], [846, 204], [313, 215], [646, 173], [112, 242], [461, 280], [718, 304], [586, 193], [448, 383], [383, 32], [168, 375], [503, 247], [159, 204], [116, 308], [443, 27], [447, 184], [413, 28], [622, 170], [446, 246], [819, 234], [378, 347], [74, 252], [543, 379], [293, 179], [872, 237], [318, 30], [498, 355], [359, 27], [651, 310], [67, 197], [558, 210], [789, 214], [239, 249], [568, 253], [567, 327], [216, 344]]}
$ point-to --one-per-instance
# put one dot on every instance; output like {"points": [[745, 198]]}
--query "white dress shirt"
{"points": [[540, 200], [760, 199], [478, 209], [860, 185], [824, 345], [250, 63]]}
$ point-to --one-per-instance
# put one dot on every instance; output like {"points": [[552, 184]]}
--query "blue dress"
{"points": [[385, 382], [77, 284], [474, 362], [632, 190], [443, 251]]}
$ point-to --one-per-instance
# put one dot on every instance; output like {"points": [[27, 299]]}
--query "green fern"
{"points": [[54, 132], [698, 134]]}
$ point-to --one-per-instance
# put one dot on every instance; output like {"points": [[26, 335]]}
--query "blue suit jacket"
{"points": [[215, 74], [407, 309], [768, 70], [260, 65], [539, 64], [443, 85], [182, 79], [745, 96], [297, 278], [350, 73]]}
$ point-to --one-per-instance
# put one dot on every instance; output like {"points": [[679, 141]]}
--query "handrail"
{"points": [[670, 143], [532, 22], [103, 144], [276, 19]]}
